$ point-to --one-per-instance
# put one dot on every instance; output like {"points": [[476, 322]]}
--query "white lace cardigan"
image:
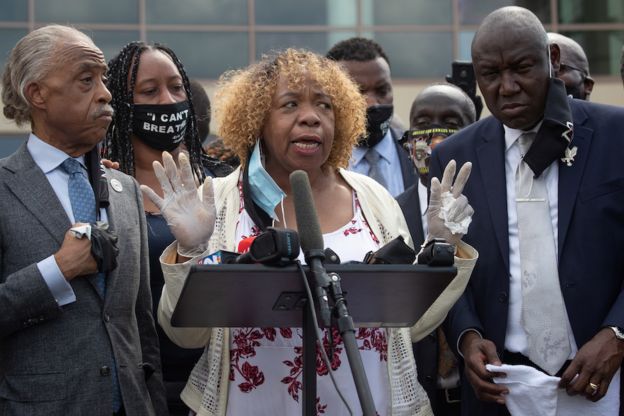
{"points": [[207, 388]]}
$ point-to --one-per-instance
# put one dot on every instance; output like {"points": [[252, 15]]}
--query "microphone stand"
{"points": [[331, 283]]}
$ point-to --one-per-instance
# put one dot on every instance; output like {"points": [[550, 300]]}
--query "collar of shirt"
{"points": [[511, 135], [46, 156], [384, 148]]}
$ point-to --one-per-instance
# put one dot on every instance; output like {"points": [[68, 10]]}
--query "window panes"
{"points": [[87, 11], [418, 55], [465, 43], [112, 41], [14, 10], [8, 39], [584, 11], [319, 42], [472, 12], [309, 12], [206, 54], [603, 50], [409, 12], [197, 12]]}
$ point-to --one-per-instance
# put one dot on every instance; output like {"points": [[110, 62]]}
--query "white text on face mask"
{"points": [[163, 129], [182, 115]]}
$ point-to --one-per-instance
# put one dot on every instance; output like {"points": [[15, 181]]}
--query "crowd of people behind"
{"points": [[531, 197]]}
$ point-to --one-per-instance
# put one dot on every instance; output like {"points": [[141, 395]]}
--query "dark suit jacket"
{"points": [[56, 360], [410, 176], [590, 229], [410, 205]]}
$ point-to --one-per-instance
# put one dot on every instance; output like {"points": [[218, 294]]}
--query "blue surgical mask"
{"points": [[264, 191]]}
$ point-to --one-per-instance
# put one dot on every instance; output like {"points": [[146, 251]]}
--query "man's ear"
{"points": [[589, 85], [36, 94], [555, 57]]}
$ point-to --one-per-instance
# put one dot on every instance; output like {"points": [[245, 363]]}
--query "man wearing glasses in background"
{"points": [[574, 68]]}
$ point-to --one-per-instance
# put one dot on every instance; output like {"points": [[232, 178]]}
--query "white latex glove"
{"points": [[190, 219], [457, 207]]}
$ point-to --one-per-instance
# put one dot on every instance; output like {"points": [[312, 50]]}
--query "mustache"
{"points": [[105, 110]]}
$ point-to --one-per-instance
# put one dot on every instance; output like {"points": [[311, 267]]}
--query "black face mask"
{"points": [[160, 126], [556, 131], [377, 123]]}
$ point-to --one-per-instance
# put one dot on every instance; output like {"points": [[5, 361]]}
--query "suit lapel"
{"points": [[111, 213], [491, 156], [570, 180], [30, 185]]}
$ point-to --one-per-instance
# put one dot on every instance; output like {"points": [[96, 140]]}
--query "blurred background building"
{"points": [[421, 37]]}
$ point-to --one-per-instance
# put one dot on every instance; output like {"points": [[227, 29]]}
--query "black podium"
{"points": [[262, 296]]}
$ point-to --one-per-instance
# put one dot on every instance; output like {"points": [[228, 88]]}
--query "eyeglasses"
{"points": [[567, 67]]}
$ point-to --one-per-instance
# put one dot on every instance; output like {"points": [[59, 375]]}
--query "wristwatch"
{"points": [[619, 332]]}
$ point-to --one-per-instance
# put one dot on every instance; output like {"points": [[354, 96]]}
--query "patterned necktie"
{"points": [[373, 158], [543, 311], [80, 192], [82, 200]]}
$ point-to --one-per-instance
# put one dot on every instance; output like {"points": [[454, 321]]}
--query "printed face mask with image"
{"points": [[420, 143]]}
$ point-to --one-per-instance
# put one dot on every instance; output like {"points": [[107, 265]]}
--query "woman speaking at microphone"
{"points": [[295, 110], [154, 112]]}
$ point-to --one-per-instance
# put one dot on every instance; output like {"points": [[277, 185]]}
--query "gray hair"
{"points": [[30, 61]]}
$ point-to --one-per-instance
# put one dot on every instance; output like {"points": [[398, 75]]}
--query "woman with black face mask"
{"points": [[154, 112]]}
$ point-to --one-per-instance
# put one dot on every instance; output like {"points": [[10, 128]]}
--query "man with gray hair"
{"points": [[573, 68], [76, 329]]}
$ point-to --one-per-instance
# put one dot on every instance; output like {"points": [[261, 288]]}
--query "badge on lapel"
{"points": [[116, 185]]}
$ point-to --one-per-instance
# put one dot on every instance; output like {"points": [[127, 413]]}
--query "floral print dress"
{"points": [[266, 363]]}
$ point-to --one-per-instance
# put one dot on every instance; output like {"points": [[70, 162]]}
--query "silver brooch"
{"points": [[570, 153], [116, 185]]}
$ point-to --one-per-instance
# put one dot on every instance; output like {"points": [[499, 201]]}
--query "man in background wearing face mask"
{"points": [[574, 68], [438, 111], [379, 155]]}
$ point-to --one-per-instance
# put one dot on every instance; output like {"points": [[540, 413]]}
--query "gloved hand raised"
{"points": [[190, 218], [453, 205]]}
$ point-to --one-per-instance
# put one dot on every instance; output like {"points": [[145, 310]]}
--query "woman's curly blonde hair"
{"points": [[243, 101]]}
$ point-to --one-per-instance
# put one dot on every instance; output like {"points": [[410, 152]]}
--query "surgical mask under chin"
{"points": [[420, 143], [160, 126], [377, 123], [264, 191]]}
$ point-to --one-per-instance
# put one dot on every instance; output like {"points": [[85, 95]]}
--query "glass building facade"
{"points": [[421, 37]]}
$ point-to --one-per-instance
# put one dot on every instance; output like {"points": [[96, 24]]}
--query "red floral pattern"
{"points": [[246, 340]]}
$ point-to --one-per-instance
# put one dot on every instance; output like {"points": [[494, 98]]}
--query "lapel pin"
{"points": [[116, 185], [570, 153]]}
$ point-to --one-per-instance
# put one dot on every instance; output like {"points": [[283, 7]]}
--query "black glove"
{"points": [[104, 247]]}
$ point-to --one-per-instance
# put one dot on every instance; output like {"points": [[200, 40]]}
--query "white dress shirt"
{"points": [[390, 165], [49, 160]]}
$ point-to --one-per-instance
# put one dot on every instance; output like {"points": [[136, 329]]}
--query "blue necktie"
{"points": [[80, 192], [82, 200]]}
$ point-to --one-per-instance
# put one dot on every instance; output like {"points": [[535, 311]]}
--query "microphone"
{"points": [[274, 246], [311, 238], [312, 245]]}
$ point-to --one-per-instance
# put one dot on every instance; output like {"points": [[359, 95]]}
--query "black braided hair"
{"points": [[117, 144]]}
